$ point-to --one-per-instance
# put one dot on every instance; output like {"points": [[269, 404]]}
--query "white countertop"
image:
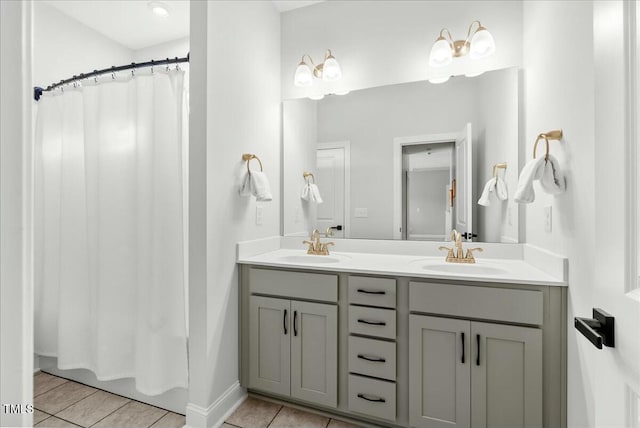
{"points": [[496, 270]]}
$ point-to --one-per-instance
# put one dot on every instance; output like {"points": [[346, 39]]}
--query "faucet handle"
{"points": [[449, 252], [470, 252], [311, 246], [324, 248]]}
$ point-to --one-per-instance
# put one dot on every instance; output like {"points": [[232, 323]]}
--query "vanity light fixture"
{"points": [[158, 8], [329, 70], [479, 45]]}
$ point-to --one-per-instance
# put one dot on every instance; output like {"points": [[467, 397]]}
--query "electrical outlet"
{"points": [[547, 219], [258, 215], [361, 213]]}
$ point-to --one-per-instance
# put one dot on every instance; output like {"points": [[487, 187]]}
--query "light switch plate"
{"points": [[361, 213], [547, 219], [258, 215]]}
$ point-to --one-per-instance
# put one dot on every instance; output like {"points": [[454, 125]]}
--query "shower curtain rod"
{"points": [[37, 91]]}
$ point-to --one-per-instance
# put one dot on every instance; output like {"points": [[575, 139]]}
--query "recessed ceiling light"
{"points": [[159, 8]]}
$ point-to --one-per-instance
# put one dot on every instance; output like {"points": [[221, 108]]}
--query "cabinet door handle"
{"points": [[372, 359], [372, 322], [462, 340], [361, 290], [478, 349], [374, 399], [295, 327], [284, 322]]}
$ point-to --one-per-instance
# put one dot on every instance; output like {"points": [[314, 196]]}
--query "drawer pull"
{"points": [[372, 359], [372, 322], [361, 290], [375, 399]]}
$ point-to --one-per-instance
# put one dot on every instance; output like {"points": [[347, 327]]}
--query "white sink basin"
{"points": [[463, 268], [310, 259]]}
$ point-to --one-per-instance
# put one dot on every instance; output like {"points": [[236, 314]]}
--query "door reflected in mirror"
{"points": [[369, 192]]}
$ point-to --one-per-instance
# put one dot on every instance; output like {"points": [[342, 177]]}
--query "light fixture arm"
{"points": [[470, 27], [448, 33]]}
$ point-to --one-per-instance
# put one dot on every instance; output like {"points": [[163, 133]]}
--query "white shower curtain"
{"points": [[110, 250]]}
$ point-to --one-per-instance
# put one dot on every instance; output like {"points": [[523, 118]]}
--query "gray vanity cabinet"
{"points": [[293, 349], [471, 373]]}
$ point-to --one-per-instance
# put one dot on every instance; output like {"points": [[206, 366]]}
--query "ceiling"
{"points": [[129, 22], [284, 6], [132, 24]]}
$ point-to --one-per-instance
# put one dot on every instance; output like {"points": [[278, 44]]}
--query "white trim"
{"points": [[398, 143], [632, 220], [218, 411], [346, 145]]}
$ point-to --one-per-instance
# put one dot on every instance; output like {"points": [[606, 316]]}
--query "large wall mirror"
{"points": [[406, 161]]}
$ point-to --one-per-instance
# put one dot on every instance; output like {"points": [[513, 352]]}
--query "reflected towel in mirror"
{"points": [[311, 193], [498, 187]]}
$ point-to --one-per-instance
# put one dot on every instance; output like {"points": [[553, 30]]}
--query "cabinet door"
{"points": [[269, 344], [439, 363], [506, 376], [314, 353]]}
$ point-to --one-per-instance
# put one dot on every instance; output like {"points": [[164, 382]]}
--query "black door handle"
{"points": [[338, 227], [599, 329], [373, 359], [375, 400], [462, 340], [295, 328], [372, 322], [478, 346], [284, 322], [360, 290]]}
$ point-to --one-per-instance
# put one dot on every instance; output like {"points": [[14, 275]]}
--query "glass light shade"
{"points": [[303, 76], [437, 80], [331, 70], [482, 44], [158, 8], [441, 53], [474, 74]]}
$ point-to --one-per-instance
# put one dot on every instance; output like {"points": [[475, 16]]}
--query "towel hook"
{"points": [[551, 135], [247, 157], [306, 176], [497, 166]]}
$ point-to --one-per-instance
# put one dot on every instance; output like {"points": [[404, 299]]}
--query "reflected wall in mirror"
{"points": [[354, 146]]}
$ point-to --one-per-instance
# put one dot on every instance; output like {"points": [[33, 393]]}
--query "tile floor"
{"points": [[63, 403], [255, 413]]}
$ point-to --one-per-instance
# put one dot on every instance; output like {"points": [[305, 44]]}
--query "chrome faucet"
{"points": [[456, 254], [315, 246]]}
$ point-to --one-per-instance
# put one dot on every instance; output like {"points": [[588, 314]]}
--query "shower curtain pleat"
{"points": [[110, 293]]}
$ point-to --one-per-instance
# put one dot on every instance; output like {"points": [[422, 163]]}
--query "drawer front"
{"points": [[372, 291], [312, 286], [372, 321], [372, 397], [372, 357], [500, 304]]}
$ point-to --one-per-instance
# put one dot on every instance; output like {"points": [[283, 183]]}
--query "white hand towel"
{"points": [[553, 180], [494, 185], [260, 186], [256, 184], [311, 193], [531, 171], [484, 198], [245, 189], [502, 191]]}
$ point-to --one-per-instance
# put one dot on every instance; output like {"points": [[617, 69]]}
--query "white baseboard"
{"points": [[218, 412]]}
